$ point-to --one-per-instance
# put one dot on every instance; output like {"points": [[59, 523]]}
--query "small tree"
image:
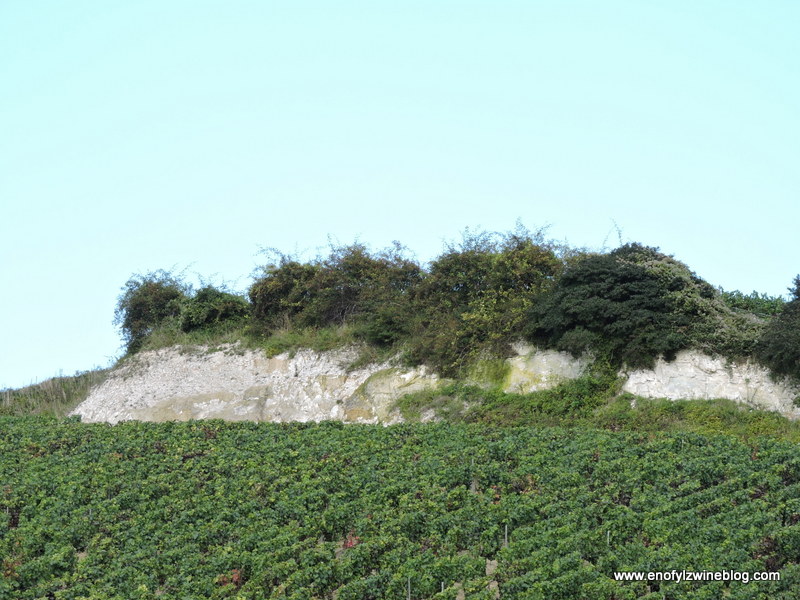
{"points": [[145, 303]]}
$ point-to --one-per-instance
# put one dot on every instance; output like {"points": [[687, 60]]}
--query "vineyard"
{"points": [[304, 511]]}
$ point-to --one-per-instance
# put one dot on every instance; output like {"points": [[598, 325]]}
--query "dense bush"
{"points": [[351, 286], [779, 347], [475, 297], [613, 305], [146, 302], [367, 290], [282, 291], [210, 306], [635, 304], [472, 299]]}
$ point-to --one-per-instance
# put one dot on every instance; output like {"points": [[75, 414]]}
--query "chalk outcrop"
{"points": [[247, 385], [694, 376], [533, 369], [235, 384]]}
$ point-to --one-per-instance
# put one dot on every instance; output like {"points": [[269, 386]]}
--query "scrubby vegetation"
{"points": [[474, 298], [625, 307], [210, 308], [593, 402]]}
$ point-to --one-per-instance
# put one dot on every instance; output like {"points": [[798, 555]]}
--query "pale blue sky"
{"points": [[156, 134]]}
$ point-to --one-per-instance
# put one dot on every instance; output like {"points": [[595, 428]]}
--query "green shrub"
{"points": [[282, 291], [634, 305], [475, 297], [146, 302], [761, 305], [210, 307], [351, 286], [370, 291], [779, 347]]}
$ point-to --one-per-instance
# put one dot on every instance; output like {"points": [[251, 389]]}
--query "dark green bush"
{"points": [[635, 304], [629, 305], [146, 302], [779, 347], [210, 306]]}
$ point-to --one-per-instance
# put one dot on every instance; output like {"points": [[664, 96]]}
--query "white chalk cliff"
{"points": [[235, 384]]}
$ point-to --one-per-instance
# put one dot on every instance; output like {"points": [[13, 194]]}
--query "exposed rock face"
{"points": [[534, 369], [238, 385], [693, 375], [247, 385]]}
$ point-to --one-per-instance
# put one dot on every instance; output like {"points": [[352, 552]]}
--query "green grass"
{"points": [[707, 417], [320, 339], [54, 397], [288, 339], [169, 334], [595, 402]]}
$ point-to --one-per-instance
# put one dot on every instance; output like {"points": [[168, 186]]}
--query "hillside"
{"points": [[526, 421], [637, 319]]}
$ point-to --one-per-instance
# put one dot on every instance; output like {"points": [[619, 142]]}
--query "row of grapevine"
{"points": [[217, 510]]}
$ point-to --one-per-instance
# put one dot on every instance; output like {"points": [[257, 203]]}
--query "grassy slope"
{"points": [[587, 483], [53, 397]]}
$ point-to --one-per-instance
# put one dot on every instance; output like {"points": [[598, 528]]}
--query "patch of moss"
{"points": [[491, 371], [446, 404]]}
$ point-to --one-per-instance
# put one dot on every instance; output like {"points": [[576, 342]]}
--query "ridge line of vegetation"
{"points": [[627, 306]]}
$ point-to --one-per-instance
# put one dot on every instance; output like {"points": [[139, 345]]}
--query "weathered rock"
{"points": [[234, 384], [693, 375], [533, 369], [247, 385]]}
